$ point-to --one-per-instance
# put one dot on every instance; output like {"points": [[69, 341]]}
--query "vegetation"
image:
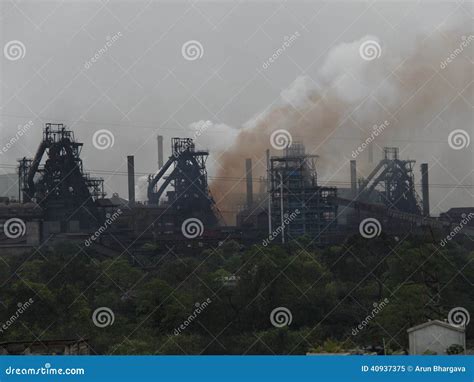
{"points": [[329, 292]]}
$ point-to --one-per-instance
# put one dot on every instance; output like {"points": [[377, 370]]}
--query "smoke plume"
{"points": [[405, 85]]}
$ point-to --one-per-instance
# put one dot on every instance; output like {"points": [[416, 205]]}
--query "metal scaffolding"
{"points": [[190, 195], [395, 181], [58, 184], [298, 205]]}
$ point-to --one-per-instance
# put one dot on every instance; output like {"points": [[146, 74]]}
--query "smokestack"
{"points": [[353, 178], [425, 189], [131, 179], [160, 151], [248, 172], [269, 195]]}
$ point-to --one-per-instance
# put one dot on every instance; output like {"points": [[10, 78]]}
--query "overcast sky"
{"points": [[145, 83]]}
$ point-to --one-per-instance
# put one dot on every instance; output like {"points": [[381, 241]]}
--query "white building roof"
{"points": [[438, 323]]}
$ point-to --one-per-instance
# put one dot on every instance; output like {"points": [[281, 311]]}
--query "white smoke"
{"points": [[400, 84]]}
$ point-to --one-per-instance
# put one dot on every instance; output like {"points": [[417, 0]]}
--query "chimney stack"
{"points": [[160, 151], [353, 178], [425, 192], [269, 196], [248, 172], [371, 152], [131, 179]]}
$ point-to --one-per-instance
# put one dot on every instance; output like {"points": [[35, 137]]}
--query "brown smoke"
{"points": [[316, 113], [321, 115]]}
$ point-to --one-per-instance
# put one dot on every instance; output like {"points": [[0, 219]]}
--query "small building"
{"points": [[435, 337]]}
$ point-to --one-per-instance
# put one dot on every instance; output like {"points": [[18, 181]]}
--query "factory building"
{"points": [[60, 201], [298, 205]]}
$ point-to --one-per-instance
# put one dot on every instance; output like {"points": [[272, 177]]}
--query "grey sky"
{"points": [[142, 84]]}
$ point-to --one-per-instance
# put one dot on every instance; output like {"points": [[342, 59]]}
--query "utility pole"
{"points": [[269, 193], [281, 209]]}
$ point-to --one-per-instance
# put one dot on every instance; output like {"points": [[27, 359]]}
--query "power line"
{"points": [[243, 179]]}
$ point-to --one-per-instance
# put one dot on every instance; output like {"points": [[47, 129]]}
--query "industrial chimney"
{"points": [[248, 173], [353, 178], [160, 151], [425, 189], [131, 179]]}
